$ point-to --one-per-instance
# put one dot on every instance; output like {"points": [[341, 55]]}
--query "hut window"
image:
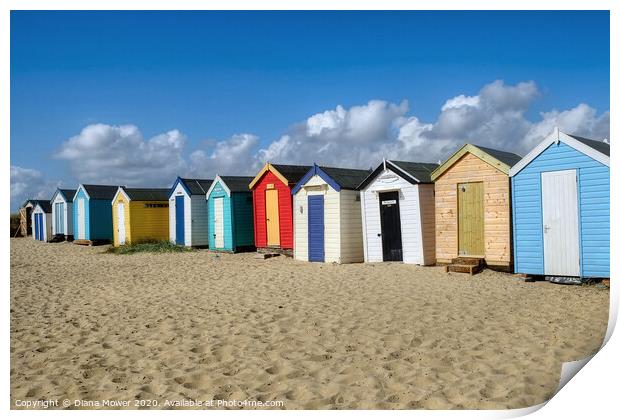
{"points": [[357, 197], [155, 205]]}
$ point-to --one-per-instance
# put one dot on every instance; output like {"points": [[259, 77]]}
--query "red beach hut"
{"points": [[273, 205]]}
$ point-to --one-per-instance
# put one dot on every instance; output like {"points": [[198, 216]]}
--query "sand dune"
{"points": [[92, 326]]}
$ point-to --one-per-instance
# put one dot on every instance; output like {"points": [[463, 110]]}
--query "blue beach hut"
{"points": [[560, 208], [230, 214], [92, 213]]}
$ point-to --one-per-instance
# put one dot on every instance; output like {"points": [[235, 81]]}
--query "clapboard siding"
{"points": [[79, 218], [243, 219], [594, 210], [100, 220], [300, 223], [121, 199], [218, 193], [351, 237], [496, 185], [427, 219], [199, 220], [411, 233]]}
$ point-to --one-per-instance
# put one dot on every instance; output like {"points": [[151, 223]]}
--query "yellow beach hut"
{"points": [[140, 215]]}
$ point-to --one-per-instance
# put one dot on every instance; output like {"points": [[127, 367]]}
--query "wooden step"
{"points": [[468, 261], [463, 268]]}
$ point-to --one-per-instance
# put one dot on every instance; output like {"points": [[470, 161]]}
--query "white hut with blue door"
{"points": [[42, 221], [398, 213], [327, 217], [189, 223], [560, 208], [62, 213]]}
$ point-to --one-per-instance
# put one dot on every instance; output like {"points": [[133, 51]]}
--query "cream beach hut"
{"points": [[327, 217], [398, 213]]}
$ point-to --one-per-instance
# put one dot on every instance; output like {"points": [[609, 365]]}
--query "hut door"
{"points": [[81, 232], [273, 218], [36, 226], [471, 219], [59, 218], [560, 223], [316, 228], [391, 239], [179, 217], [120, 209], [218, 204], [39, 223]]}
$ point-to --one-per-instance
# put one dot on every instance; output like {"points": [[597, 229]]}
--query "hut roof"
{"points": [[594, 144], [499, 159], [197, 186], [419, 170], [66, 193], [45, 205], [347, 178], [147, 194], [288, 174], [237, 183], [100, 192]]}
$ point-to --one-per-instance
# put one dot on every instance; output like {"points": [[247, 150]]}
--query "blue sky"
{"points": [[252, 81]]}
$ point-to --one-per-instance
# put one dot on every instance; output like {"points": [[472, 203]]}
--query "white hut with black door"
{"points": [[398, 213]]}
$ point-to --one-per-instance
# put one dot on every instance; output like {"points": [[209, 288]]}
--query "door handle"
{"points": [[378, 234]]}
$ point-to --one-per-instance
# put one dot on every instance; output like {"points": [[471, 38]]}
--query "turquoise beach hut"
{"points": [[92, 213], [560, 208], [231, 216]]}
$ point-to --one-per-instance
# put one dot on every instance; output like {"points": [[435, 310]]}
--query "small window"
{"points": [[155, 205]]}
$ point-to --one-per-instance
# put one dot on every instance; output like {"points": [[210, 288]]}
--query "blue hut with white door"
{"points": [[230, 214], [92, 213], [560, 208]]}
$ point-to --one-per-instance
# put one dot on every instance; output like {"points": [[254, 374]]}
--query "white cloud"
{"points": [[229, 157], [109, 154], [29, 183]]}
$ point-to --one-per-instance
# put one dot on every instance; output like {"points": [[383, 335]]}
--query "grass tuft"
{"points": [[154, 246]]}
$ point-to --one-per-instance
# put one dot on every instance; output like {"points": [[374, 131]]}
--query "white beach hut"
{"points": [[62, 213], [327, 216], [188, 217], [398, 213], [42, 221]]}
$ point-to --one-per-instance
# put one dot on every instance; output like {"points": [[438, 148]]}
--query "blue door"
{"points": [[179, 206], [36, 226], [316, 228]]}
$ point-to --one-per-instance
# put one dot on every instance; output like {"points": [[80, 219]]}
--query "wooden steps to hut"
{"points": [[465, 265], [91, 243]]}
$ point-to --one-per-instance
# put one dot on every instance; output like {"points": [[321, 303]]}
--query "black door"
{"points": [[390, 226]]}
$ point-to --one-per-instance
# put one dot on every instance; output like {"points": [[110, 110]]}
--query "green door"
{"points": [[471, 219]]}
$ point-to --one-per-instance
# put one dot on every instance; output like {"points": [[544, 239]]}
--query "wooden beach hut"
{"points": [[42, 221], [472, 209], [189, 223], [273, 205], [92, 214], [62, 214], [398, 217], [561, 208], [327, 216], [230, 214], [140, 215]]}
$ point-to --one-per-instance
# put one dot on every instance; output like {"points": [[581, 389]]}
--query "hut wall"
{"points": [[351, 237], [496, 210], [101, 220], [148, 221], [243, 219], [427, 219], [199, 221]]}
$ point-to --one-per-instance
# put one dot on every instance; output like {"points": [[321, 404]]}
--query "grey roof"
{"points": [[147, 194], [595, 144], [237, 183], [101, 192], [33, 201], [293, 173], [508, 158], [45, 205], [419, 170], [68, 194], [347, 178], [197, 186]]}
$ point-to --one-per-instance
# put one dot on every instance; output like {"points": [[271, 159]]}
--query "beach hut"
{"points": [[25, 216], [188, 214], [62, 214], [140, 215], [398, 213], [42, 221], [472, 208], [92, 214], [327, 217], [231, 218], [273, 205], [560, 208]]}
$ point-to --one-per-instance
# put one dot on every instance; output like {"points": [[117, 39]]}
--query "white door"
{"points": [[120, 208], [218, 205], [560, 223], [81, 234]]}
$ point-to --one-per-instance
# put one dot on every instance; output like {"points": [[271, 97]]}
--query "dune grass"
{"points": [[152, 246]]}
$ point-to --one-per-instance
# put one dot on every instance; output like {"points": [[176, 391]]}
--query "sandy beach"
{"points": [[90, 325]]}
